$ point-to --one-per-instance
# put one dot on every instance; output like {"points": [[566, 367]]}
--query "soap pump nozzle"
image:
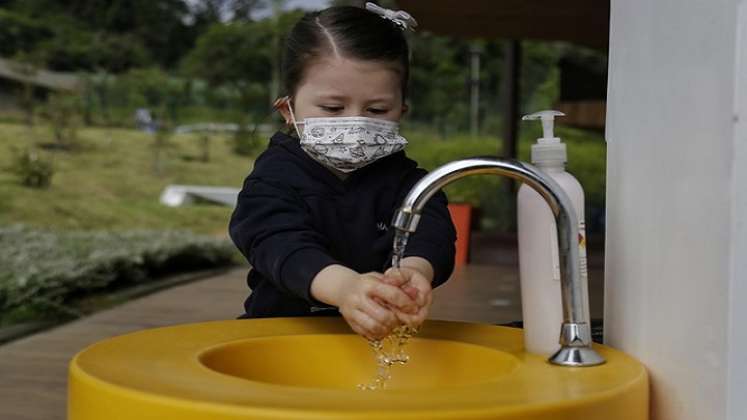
{"points": [[548, 123], [548, 149]]}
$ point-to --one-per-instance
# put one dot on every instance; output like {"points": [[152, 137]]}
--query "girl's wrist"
{"points": [[329, 285]]}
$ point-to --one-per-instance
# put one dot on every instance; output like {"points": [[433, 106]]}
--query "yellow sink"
{"points": [[308, 368]]}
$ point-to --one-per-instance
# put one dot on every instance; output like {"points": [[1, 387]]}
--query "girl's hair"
{"points": [[351, 32]]}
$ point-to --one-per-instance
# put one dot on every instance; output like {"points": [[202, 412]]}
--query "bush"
{"points": [[586, 161], [44, 272], [32, 170], [247, 142], [63, 113]]}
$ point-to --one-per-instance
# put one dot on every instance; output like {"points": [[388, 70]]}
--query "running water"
{"points": [[391, 349], [400, 242]]}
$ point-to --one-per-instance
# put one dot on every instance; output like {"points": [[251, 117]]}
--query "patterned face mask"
{"points": [[348, 143]]}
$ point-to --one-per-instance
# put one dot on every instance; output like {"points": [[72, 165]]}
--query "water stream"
{"points": [[390, 350]]}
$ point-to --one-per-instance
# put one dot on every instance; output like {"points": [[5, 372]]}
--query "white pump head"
{"points": [[548, 149]]}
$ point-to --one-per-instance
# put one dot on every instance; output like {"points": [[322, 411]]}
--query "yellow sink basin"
{"points": [[344, 361], [305, 368]]}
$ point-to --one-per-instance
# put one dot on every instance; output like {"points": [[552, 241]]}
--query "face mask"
{"points": [[348, 143]]}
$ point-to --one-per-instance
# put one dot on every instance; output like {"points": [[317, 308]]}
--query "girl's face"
{"points": [[342, 87]]}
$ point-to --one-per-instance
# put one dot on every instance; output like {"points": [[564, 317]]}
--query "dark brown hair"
{"points": [[352, 32]]}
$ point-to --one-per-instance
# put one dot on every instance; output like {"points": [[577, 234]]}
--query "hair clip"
{"points": [[401, 18]]}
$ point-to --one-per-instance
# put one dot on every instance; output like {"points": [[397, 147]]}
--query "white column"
{"points": [[676, 269], [737, 330]]}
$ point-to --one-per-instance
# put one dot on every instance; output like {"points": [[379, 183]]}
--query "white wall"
{"points": [[737, 332], [676, 238]]}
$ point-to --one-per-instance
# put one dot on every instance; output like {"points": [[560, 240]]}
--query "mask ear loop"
{"points": [[293, 118], [285, 100]]}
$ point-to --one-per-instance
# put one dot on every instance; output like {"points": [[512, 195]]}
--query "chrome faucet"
{"points": [[575, 331]]}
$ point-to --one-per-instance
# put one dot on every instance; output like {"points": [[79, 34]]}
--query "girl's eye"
{"points": [[377, 111], [331, 108]]}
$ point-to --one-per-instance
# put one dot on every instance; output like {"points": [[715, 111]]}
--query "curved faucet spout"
{"points": [[575, 332]]}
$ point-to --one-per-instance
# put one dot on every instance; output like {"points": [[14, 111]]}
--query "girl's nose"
{"points": [[353, 113]]}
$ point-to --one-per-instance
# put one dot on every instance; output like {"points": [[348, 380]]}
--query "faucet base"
{"points": [[576, 356]]}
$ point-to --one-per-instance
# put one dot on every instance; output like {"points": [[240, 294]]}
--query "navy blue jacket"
{"points": [[294, 217]]}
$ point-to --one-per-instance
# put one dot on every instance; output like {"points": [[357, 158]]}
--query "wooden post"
{"points": [[474, 121], [511, 93], [511, 97]]}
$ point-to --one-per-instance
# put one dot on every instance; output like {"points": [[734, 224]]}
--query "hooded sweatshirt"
{"points": [[294, 217]]}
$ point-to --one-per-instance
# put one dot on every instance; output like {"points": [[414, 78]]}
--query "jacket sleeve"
{"points": [[273, 229], [435, 236]]}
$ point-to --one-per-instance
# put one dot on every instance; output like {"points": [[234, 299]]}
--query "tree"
{"points": [[237, 55], [213, 11], [164, 28], [438, 82]]}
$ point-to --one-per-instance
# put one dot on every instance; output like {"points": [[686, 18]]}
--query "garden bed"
{"points": [[53, 275]]}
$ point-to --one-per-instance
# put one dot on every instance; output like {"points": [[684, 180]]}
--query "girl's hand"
{"points": [[417, 286], [368, 304]]}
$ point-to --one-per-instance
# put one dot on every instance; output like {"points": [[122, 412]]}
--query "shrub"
{"points": [[44, 272], [586, 161], [63, 112], [246, 141], [32, 171]]}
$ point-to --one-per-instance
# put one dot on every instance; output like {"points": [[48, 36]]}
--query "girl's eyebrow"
{"points": [[386, 98], [332, 96], [342, 98]]}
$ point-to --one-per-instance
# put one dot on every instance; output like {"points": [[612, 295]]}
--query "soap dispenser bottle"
{"points": [[539, 262]]}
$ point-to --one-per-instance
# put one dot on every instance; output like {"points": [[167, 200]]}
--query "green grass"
{"points": [[110, 183]]}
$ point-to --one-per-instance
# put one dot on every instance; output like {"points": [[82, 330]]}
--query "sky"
{"points": [[297, 4], [307, 4]]}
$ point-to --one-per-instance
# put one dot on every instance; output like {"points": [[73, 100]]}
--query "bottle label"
{"points": [[581, 254]]}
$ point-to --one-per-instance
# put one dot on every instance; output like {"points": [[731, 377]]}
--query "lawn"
{"points": [[110, 183]]}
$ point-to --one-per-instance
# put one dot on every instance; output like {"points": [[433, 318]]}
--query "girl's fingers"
{"points": [[370, 326], [393, 296], [412, 320], [379, 312], [412, 292], [395, 277], [424, 289]]}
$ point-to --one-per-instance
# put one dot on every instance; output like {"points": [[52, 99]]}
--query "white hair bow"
{"points": [[403, 19]]}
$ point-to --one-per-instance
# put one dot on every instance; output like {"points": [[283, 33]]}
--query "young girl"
{"points": [[313, 216]]}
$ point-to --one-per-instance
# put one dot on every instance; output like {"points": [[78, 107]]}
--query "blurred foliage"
{"points": [[45, 272], [238, 56], [75, 34], [217, 60], [19, 33], [33, 170], [586, 161], [63, 114], [109, 183], [248, 142]]}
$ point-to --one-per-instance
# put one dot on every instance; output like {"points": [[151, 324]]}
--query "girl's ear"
{"points": [[281, 105], [405, 108]]}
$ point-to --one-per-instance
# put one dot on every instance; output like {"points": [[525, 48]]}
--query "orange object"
{"points": [[461, 216]]}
